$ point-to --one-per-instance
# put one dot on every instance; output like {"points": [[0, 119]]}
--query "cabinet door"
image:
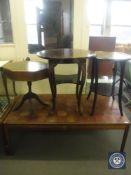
{"points": [[55, 24]]}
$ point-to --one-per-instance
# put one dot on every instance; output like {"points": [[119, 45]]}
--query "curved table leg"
{"points": [[29, 96], [14, 89], [114, 80], [78, 81], [82, 82], [92, 77], [52, 85], [96, 64], [122, 68]]}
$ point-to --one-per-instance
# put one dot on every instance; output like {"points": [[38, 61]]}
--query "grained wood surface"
{"points": [[26, 70], [64, 54], [107, 115]]}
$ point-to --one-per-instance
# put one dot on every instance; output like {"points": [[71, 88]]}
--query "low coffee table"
{"points": [[66, 118]]}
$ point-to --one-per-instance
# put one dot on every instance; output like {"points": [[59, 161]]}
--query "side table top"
{"points": [[114, 56], [64, 54], [2, 63], [26, 70], [25, 66]]}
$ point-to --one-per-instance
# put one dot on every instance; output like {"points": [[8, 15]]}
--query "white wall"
{"points": [[18, 50], [81, 25]]}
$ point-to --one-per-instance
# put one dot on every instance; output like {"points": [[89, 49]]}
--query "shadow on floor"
{"points": [[91, 145]]}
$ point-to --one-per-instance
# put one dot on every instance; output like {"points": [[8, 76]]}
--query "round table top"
{"points": [[26, 70], [74, 54], [64, 54], [113, 56], [25, 66]]}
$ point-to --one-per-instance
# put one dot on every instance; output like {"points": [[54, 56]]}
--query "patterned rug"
{"points": [[3, 104]]}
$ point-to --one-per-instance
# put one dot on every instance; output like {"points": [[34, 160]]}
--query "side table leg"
{"points": [[14, 88], [124, 139], [122, 67], [78, 81], [96, 64], [52, 86], [114, 80], [28, 96], [83, 77], [92, 77]]}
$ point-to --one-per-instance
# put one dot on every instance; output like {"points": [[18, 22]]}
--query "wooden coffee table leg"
{"points": [[124, 138], [6, 138]]}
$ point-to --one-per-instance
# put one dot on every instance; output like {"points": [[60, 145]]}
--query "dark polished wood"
{"points": [[115, 57], [66, 117], [66, 56], [26, 71]]}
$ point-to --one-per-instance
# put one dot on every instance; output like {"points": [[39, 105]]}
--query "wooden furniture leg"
{"points": [[6, 139], [52, 86], [114, 80], [78, 82], [14, 89], [124, 138], [96, 64], [122, 67], [92, 78], [81, 82], [29, 96]]}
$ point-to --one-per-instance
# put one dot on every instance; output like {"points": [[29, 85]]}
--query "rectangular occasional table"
{"points": [[66, 117]]}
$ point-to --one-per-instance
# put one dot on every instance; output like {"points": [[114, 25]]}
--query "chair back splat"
{"points": [[102, 43]]}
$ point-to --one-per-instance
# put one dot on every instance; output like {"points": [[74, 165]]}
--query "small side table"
{"points": [[26, 71], [66, 56], [116, 57]]}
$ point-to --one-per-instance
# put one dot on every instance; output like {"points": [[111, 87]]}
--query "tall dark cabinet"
{"points": [[54, 24]]}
